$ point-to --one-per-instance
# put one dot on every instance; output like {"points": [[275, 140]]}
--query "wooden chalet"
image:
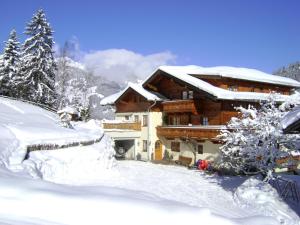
{"points": [[185, 107]]}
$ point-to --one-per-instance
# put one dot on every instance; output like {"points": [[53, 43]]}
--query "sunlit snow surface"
{"points": [[85, 185]]}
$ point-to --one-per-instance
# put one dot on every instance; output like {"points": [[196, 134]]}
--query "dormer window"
{"points": [[191, 94], [205, 121], [187, 95], [232, 88], [184, 95]]}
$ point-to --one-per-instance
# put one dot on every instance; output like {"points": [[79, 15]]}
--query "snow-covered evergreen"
{"points": [[38, 65], [9, 66], [254, 140]]}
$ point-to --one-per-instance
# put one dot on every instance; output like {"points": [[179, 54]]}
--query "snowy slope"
{"points": [[22, 124], [131, 194]]}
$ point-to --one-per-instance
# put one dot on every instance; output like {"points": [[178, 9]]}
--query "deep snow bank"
{"points": [[254, 193], [76, 163], [27, 201], [23, 124]]}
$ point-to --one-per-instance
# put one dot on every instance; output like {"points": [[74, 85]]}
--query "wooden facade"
{"points": [[189, 108], [123, 126], [131, 101], [243, 85], [198, 133]]}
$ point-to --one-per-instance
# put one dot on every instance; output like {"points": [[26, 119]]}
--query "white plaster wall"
{"points": [[210, 150], [154, 120]]}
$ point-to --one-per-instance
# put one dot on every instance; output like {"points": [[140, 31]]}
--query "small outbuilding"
{"points": [[69, 113]]}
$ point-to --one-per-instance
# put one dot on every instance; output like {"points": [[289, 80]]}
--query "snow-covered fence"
{"points": [[39, 147], [288, 189]]}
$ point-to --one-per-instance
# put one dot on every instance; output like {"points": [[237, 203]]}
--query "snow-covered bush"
{"points": [[254, 140]]}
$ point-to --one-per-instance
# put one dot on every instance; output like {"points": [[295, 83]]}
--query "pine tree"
{"points": [[9, 68], [38, 64]]}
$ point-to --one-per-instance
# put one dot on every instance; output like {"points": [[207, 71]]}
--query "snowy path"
{"points": [[188, 187], [178, 184]]}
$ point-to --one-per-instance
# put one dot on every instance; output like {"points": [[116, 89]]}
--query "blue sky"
{"points": [[262, 34]]}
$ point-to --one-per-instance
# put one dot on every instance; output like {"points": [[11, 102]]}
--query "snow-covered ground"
{"points": [[86, 185], [22, 124]]}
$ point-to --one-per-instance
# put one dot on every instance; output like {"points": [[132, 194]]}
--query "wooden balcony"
{"points": [[122, 126], [179, 106], [194, 132]]}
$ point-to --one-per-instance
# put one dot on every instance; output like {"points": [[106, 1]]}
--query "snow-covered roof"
{"points": [[183, 73], [291, 118], [150, 96], [68, 109], [231, 72]]}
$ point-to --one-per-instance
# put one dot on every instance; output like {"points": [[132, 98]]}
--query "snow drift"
{"points": [[23, 125]]}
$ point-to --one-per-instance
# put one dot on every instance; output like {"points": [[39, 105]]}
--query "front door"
{"points": [[158, 150]]}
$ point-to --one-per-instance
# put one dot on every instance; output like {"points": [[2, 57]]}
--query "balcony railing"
{"points": [[179, 106], [122, 126], [195, 132]]}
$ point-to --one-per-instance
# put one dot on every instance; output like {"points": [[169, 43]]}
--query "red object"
{"points": [[203, 165]]}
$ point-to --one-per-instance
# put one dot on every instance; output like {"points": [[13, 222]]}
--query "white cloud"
{"points": [[123, 65]]}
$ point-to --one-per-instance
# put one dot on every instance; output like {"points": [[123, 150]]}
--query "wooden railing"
{"points": [[196, 132], [180, 106], [123, 126]]}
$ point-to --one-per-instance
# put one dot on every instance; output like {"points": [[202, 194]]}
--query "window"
{"points": [[136, 118], [187, 95], [205, 121], [145, 145], [184, 95], [191, 94], [176, 120], [175, 146], [232, 88], [127, 117], [145, 120], [200, 149]]}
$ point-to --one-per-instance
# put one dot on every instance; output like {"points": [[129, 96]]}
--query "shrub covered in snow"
{"points": [[254, 140]]}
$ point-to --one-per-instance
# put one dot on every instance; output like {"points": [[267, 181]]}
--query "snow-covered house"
{"points": [[69, 113], [180, 110]]}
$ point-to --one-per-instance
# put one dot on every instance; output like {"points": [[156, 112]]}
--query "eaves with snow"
{"points": [[150, 96], [188, 74], [291, 121]]}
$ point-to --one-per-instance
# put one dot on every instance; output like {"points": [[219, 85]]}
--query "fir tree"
{"points": [[9, 68], [38, 64]]}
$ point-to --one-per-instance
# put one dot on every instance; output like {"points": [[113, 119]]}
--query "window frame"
{"points": [[136, 118], [200, 151], [145, 120], [205, 121], [184, 95], [145, 145], [175, 146], [233, 88], [191, 94]]}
